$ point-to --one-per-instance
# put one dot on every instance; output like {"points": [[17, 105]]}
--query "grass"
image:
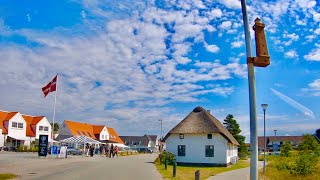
{"points": [[186, 172], [272, 172], [4, 176]]}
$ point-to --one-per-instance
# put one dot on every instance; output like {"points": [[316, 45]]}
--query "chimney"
{"points": [[208, 111]]}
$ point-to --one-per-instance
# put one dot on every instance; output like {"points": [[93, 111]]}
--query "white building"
{"points": [[20, 130], [201, 139]]}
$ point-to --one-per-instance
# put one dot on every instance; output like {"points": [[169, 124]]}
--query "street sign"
{"points": [[43, 145], [54, 150]]}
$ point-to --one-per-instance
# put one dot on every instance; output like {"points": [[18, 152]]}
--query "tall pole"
{"points": [[252, 99], [264, 134], [275, 132], [160, 128], [54, 113]]}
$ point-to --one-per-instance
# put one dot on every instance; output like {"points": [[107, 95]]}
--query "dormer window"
{"points": [[181, 136]]}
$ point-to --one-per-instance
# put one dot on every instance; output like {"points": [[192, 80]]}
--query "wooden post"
{"points": [[174, 169], [197, 175], [166, 164]]}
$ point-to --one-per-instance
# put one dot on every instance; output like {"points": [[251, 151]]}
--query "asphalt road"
{"points": [[29, 166]]}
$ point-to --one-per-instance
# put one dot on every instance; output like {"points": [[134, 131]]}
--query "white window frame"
{"points": [[46, 128], [41, 128]]}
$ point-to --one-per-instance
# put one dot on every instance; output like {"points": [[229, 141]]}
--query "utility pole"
{"points": [[262, 60]]}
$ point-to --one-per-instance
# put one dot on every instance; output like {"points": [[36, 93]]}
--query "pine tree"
{"points": [[234, 128]]}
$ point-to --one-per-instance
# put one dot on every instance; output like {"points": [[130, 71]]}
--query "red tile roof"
{"points": [[29, 131], [3, 115], [113, 136], [77, 128]]}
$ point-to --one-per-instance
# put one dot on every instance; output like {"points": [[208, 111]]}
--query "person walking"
{"points": [[92, 150], [111, 151], [116, 149], [87, 149], [100, 149], [107, 150]]}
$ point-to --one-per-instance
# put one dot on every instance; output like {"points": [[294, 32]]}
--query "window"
{"points": [[79, 133], [102, 137], [209, 150], [14, 124], [46, 128], [40, 128], [20, 125], [209, 136], [83, 133], [181, 136], [181, 150]]}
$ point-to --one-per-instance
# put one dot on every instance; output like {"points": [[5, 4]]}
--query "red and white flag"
{"points": [[52, 86]]}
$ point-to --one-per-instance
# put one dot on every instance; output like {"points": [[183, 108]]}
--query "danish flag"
{"points": [[50, 87]]}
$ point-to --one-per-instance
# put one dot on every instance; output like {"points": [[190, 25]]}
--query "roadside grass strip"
{"points": [[187, 172], [4, 176]]}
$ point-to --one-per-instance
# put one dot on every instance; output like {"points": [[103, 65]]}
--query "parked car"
{"points": [[73, 151]]}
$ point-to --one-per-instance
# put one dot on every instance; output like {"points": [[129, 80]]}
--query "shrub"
{"points": [[285, 150], [170, 157], [305, 164]]}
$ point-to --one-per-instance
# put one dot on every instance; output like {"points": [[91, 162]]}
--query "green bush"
{"points": [[305, 164], [286, 149], [170, 157]]}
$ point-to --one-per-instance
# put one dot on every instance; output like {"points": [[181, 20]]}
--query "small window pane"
{"points": [[209, 136], [209, 151], [40, 128], [181, 150], [14, 124], [20, 125], [46, 128]]}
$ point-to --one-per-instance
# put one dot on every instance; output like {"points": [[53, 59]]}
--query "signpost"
{"points": [[54, 150], [43, 145]]}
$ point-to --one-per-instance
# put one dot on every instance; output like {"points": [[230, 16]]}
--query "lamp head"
{"points": [[264, 106]]}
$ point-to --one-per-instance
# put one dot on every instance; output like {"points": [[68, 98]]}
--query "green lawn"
{"points": [[186, 172], [7, 176], [272, 172]]}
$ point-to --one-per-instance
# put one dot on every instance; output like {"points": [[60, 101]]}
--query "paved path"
{"points": [[239, 174], [138, 167]]}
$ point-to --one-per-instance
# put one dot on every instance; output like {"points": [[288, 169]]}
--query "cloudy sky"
{"points": [[127, 64]]}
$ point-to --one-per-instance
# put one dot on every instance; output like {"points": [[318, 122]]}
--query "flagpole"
{"points": [[54, 114]]}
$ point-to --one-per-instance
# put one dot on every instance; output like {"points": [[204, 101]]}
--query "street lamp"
{"points": [[161, 128], [275, 132], [264, 107]]}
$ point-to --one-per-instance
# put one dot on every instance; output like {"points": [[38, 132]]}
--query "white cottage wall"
{"points": [[16, 132], [232, 152], [104, 134], [195, 148], [1, 139], [44, 123]]}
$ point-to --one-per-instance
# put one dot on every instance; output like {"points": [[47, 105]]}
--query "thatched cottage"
{"points": [[201, 139]]}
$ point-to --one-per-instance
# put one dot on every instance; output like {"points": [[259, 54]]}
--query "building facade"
{"points": [[21, 130], [201, 139], [143, 143]]}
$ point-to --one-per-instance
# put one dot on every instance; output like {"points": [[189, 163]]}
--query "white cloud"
{"points": [[215, 13], [212, 48], [313, 55], [226, 25], [291, 54], [237, 44], [314, 88], [317, 31], [232, 4], [306, 3]]}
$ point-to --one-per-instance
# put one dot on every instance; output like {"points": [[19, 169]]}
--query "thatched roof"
{"points": [[201, 121]]}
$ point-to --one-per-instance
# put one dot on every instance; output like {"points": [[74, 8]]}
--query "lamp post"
{"points": [[264, 107], [275, 132], [161, 128]]}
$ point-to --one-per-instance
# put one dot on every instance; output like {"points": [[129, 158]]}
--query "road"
{"points": [[29, 166]]}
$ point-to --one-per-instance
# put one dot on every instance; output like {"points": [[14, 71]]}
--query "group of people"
{"points": [[104, 149]]}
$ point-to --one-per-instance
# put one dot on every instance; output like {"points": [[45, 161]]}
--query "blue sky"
{"points": [[128, 64]]}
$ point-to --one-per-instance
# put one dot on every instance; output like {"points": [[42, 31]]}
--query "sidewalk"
{"points": [[239, 174]]}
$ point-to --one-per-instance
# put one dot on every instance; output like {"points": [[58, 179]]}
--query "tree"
{"points": [[56, 127], [234, 128], [285, 149], [310, 144]]}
